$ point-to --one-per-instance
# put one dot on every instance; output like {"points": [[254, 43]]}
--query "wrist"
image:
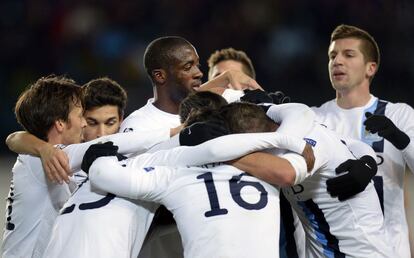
{"points": [[399, 139]]}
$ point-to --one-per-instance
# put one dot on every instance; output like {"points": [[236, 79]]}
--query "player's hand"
{"points": [[98, 150], [240, 81], [55, 164], [279, 97], [386, 128], [360, 173], [309, 156], [200, 132], [256, 96]]}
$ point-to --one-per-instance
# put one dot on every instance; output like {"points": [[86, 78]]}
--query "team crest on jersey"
{"points": [[148, 169], [310, 141], [128, 130]]}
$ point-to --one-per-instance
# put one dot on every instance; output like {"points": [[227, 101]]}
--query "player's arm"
{"points": [[108, 175], [130, 142], [285, 170], [295, 119], [55, 162], [223, 148], [235, 79]]}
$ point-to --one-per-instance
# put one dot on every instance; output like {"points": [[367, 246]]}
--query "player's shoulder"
{"points": [[325, 107], [398, 111]]}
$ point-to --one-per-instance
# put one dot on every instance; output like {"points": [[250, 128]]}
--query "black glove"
{"points": [[360, 173], [98, 150], [279, 97], [256, 96], [386, 128], [200, 132]]}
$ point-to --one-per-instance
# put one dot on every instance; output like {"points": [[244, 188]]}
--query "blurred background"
{"points": [[286, 40]]}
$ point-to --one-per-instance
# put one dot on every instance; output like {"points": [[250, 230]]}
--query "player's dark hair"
{"points": [[49, 99], [104, 91], [243, 117], [368, 47], [199, 101], [159, 53], [234, 55]]}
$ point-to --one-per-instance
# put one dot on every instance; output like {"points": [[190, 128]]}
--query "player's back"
{"points": [[96, 224], [32, 206], [223, 212], [353, 227]]}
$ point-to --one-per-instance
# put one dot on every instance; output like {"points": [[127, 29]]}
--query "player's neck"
{"points": [[357, 97], [163, 102], [53, 137]]}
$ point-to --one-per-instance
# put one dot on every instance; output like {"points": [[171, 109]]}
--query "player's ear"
{"points": [[59, 125], [371, 68], [159, 76]]}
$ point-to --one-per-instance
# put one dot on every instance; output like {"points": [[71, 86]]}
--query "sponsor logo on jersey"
{"points": [[310, 141], [148, 169]]}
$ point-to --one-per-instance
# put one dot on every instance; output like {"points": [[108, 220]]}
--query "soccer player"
{"points": [[172, 64], [354, 59], [117, 226], [351, 228], [251, 205], [50, 109]]}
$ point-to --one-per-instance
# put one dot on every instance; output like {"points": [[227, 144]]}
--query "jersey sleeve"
{"points": [[295, 119], [405, 123], [299, 165], [135, 182], [359, 148], [132, 142], [223, 148], [231, 95]]}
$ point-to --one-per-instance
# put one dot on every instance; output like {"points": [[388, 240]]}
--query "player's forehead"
{"points": [[345, 44], [184, 54], [102, 113]]}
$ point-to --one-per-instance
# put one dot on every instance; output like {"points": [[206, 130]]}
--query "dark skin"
{"points": [[174, 83]]}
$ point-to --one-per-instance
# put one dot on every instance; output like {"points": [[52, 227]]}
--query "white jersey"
{"points": [[80, 230], [96, 224], [351, 228], [391, 161], [220, 211], [149, 118], [32, 206]]}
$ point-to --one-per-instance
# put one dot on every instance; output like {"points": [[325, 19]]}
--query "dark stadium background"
{"points": [[287, 41]]}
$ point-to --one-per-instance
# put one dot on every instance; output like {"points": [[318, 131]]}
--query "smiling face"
{"points": [[184, 73], [101, 121], [347, 66]]}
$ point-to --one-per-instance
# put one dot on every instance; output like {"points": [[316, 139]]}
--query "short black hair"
{"points": [[158, 54], [199, 101], [104, 91]]}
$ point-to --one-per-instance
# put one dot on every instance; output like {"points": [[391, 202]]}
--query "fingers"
{"points": [[368, 114], [343, 167]]}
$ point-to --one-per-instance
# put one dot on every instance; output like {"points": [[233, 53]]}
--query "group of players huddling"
{"points": [[215, 169]]}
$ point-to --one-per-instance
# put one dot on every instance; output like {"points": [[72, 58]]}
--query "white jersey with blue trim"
{"points": [[220, 211], [32, 206], [351, 228], [392, 162]]}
